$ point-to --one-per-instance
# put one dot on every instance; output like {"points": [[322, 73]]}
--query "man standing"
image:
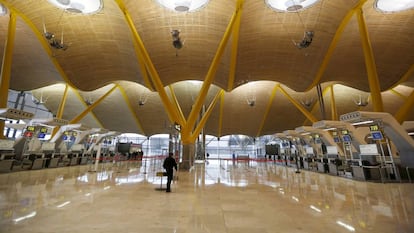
{"points": [[169, 164]]}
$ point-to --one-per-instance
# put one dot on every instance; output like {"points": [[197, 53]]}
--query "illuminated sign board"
{"points": [[43, 130], [177, 127], [346, 138], [377, 135], [352, 116], [374, 128], [30, 128], [344, 132]]}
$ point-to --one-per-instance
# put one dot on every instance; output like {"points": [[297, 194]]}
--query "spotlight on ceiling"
{"points": [[3, 10], [79, 6], [183, 5], [306, 41], [53, 42], [290, 5], [394, 5], [361, 101], [177, 43]]}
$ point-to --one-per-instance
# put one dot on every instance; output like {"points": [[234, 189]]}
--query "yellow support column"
{"points": [[6, 67], [269, 106], [405, 76], [175, 101], [398, 94], [41, 39], [370, 64], [235, 45], [91, 107], [59, 113], [210, 76], [326, 89], [82, 100], [402, 113], [171, 111], [221, 115], [334, 114], [131, 109], [298, 105], [334, 41], [206, 115]]}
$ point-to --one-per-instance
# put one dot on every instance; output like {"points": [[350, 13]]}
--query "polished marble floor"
{"points": [[213, 197]]}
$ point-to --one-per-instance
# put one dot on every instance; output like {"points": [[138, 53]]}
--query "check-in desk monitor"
{"points": [[48, 148], [308, 162], [6, 155], [368, 168]]}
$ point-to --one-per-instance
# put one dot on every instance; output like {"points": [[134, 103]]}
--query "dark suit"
{"points": [[169, 165]]}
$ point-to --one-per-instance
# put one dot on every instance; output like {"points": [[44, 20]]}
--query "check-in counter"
{"points": [[335, 166], [373, 173], [291, 162], [64, 160], [6, 162], [74, 159], [279, 159], [54, 160], [309, 164], [7, 155], [38, 161], [83, 160], [322, 165]]}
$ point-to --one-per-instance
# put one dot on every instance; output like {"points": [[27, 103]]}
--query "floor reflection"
{"points": [[220, 187]]}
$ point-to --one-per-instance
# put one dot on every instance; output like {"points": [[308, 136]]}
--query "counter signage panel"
{"points": [[346, 138], [377, 135], [373, 128], [30, 128], [28, 134]]}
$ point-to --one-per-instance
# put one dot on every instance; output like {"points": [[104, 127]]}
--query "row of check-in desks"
{"points": [[333, 166], [355, 169], [33, 161]]}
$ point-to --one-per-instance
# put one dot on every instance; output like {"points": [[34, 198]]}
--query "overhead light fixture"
{"points": [[195, 82], [394, 5], [362, 101], [362, 122], [183, 5], [79, 6], [346, 226], [329, 129], [290, 5], [3, 10]]}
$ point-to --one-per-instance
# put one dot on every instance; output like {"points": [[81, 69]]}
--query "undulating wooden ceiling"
{"points": [[250, 59]]}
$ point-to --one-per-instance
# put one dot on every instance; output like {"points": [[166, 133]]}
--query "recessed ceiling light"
{"points": [[3, 10], [290, 5], [79, 6], [393, 5], [183, 5]]}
